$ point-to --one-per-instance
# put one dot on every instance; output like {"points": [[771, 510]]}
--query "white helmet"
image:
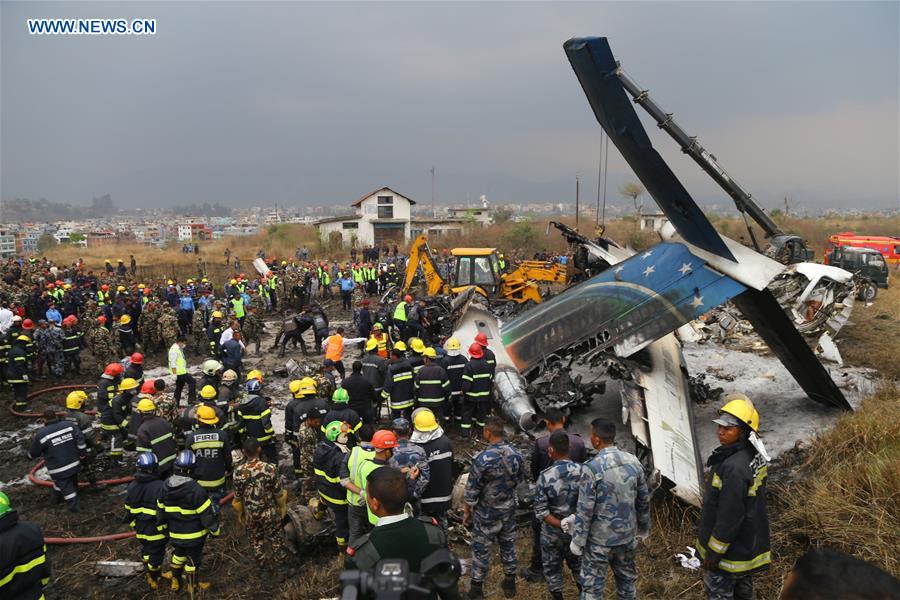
{"points": [[211, 367]]}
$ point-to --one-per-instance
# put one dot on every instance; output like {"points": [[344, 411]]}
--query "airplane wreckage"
{"points": [[619, 322]]}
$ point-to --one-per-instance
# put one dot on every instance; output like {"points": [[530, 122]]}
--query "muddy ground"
{"points": [[228, 564]]}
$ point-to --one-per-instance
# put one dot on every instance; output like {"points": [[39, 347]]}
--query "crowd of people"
{"points": [[374, 446]]}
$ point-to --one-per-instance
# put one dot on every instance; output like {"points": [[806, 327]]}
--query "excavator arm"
{"points": [[420, 254]]}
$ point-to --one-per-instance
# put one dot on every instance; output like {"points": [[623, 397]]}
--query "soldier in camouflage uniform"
{"points": [[40, 342], [198, 341], [490, 501], [103, 346], [147, 325], [253, 327], [555, 500], [259, 498], [324, 384], [167, 326], [613, 512], [53, 350]]}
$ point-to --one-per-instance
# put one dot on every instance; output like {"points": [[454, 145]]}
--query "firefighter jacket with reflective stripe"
{"points": [[115, 415], [255, 420], [416, 361], [141, 506], [399, 386], [61, 443], [155, 435], [734, 524], [106, 391], [436, 497], [489, 358], [24, 569], [327, 460], [432, 386], [454, 366], [186, 510], [72, 341], [478, 380], [213, 452], [374, 369], [17, 365]]}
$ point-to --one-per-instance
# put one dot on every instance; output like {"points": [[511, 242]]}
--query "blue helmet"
{"points": [[185, 460], [253, 386], [147, 461], [400, 425]]}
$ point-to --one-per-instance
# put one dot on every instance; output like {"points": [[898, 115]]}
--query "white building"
{"points": [[382, 217], [652, 221], [7, 243], [481, 216]]}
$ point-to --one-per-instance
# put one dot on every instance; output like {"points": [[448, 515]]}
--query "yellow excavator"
{"points": [[480, 268]]}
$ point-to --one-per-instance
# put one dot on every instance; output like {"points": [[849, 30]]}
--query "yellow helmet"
{"points": [[75, 400], [67, 286], [207, 414], [255, 374], [453, 344], [170, 282], [128, 383], [307, 386], [371, 344], [204, 280], [417, 345], [400, 346], [125, 319], [429, 352], [121, 288], [146, 405], [294, 386], [217, 314], [283, 263], [189, 280], [741, 408], [208, 392], [234, 282], [423, 420]]}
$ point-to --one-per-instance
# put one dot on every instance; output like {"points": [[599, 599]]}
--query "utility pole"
{"points": [[599, 179], [433, 212], [577, 200]]}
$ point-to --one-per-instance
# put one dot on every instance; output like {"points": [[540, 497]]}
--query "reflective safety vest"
{"points": [[357, 275], [237, 305], [334, 348], [177, 364], [359, 464], [273, 281], [102, 298], [400, 311], [382, 344]]}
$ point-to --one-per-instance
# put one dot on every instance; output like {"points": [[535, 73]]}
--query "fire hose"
{"points": [[58, 388]]}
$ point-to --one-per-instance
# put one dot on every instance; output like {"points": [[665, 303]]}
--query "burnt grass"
{"points": [[230, 567]]}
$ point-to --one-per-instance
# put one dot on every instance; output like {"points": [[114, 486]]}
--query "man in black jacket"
{"points": [[141, 512], [454, 363], [186, 511], [432, 385], [399, 386], [733, 535], [62, 445], [361, 392], [24, 568], [478, 383], [210, 446], [155, 435]]}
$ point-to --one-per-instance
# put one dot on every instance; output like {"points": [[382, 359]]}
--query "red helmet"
{"points": [[137, 358], [476, 351], [104, 287], [149, 387], [147, 291], [101, 319], [481, 338], [114, 369], [27, 324], [50, 286], [384, 439], [70, 320], [59, 282], [407, 298]]}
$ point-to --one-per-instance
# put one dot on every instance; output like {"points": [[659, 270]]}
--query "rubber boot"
{"points": [[152, 579], [476, 591], [509, 586], [175, 576]]}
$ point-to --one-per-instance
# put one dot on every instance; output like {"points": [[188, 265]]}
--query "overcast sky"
{"points": [[304, 103]]}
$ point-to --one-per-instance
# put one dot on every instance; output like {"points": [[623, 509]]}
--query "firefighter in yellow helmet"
{"points": [[733, 535], [155, 435]]}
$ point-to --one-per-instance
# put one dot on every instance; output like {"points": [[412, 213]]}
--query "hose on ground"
{"points": [[82, 484], [57, 388]]}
